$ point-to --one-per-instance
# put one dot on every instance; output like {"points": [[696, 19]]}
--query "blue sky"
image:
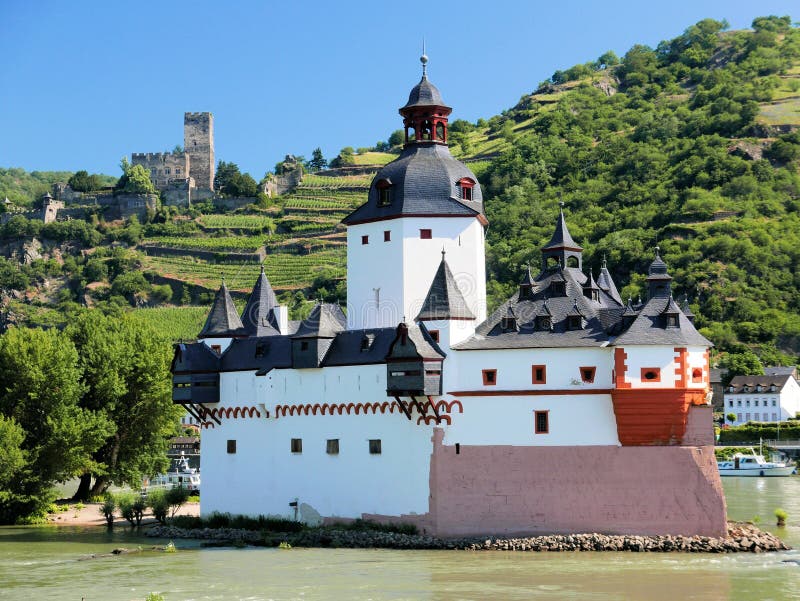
{"points": [[83, 83]]}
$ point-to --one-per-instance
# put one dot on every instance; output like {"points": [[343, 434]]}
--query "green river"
{"points": [[40, 563]]}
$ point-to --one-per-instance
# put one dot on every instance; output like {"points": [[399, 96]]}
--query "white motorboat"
{"points": [[751, 464], [179, 474]]}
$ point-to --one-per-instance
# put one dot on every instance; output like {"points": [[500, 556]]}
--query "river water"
{"points": [[44, 563]]}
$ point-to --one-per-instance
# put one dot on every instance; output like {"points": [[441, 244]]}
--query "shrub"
{"points": [[176, 497], [125, 503], [107, 508], [157, 502], [780, 516]]}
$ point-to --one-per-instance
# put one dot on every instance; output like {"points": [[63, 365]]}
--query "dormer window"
{"points": [[558, 288], [466, 185], [366, 342], [574, 322], [384, 188], [544, 323], [672, 320]]}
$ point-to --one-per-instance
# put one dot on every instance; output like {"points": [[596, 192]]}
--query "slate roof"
{"points": [[747, 384], [325, 321], [347, 347], [257, 353], [491, 335], [781, 370], [606, 283], [444, 299], [194, 357], [424, 181], [424, 94], [223, 319], [649, 327], [256, 314], [425, 346], [561, 237]]}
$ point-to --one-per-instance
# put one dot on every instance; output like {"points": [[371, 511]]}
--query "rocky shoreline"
{"points": [[742, 538]]}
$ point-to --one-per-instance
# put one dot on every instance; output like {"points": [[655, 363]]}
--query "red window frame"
{"points": [[697, 375], [655, 371], [587, 373], [489, 377], [535, 379], [425, 234], [364, 239], [466, 185], [387, 236], [546, 416]]}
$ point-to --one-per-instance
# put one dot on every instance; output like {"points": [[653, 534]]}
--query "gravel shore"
{"points": [[742, 537]]}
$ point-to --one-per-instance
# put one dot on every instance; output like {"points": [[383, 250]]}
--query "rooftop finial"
{"points": [[658, 251], [603, 264], [443, 253], [424, 60]]}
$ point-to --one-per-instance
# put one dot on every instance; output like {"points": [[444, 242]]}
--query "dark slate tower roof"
{"points": [[423, 181], [324, 321], [649, 327], [223, 320], [255, 317], [606, 283], [424, 94], [561, 237], [444, 300]]}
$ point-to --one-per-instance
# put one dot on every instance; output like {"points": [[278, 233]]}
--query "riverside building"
{"points": [[565, 410]]}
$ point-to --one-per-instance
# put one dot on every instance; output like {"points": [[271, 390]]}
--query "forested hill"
{"points": [[691, 146]]}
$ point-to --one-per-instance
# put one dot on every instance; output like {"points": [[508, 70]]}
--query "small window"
{"points": [[757, 417], [489, 377], [747, 403], [756, 402], [332, 446], [538, 374], [177, 170], [544, 323], [558, 288], [541, 421], [587, 374], [425, 234], [574, 322], [651, 374], [697, 375], [297, 445], [231, 447], [466, 193], [216, 348], [260, 348], [434, 335], [739, 403], [774, 417], [166, 171], [387, 236], [304, 345], [738, 417], [364, 239], [375, 446], [747, 417], [773, 403], [384, 188]]}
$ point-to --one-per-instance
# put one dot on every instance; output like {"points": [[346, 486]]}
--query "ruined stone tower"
{"points": [[198, 142]]}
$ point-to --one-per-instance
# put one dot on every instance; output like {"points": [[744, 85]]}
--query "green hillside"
{"points": [[690, 146]]}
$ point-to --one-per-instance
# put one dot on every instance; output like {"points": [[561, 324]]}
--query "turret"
{"points": [[562, 250], [659, 282], [223, 323]]}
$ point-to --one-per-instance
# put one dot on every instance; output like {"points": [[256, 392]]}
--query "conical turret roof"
{"points": [[444, 299], [561, 237], [255, 317], [223, 319], [606, 283]]}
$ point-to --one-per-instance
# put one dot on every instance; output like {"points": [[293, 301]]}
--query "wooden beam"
{"points": [[403, 407], [435, 410]]}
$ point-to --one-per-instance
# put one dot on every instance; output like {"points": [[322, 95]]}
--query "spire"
{"points": [[223, 320], [526, 285], [606, 282], [590, 288], [658, 280], [444, 299], [255, 317], [686, 309], [424, 60], [561, 247]]}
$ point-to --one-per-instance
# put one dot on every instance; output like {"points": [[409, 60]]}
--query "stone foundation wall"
{"points": [[611, 490]]}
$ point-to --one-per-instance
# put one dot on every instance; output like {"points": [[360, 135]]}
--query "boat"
{"points": [[179, 474], [752, 464]]}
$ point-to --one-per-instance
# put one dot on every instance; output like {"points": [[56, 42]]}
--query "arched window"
{"points": [[440, 131], [572, 261], [552, 262]]}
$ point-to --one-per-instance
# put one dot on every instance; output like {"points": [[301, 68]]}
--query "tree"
{"points": [[346, 157], [317, 161], [229, 181], [731, 417], [397, 138], [14, 458], [83, 182], [125, 375], [41, 390], [607, 59], [744, 363], [135, 179]]}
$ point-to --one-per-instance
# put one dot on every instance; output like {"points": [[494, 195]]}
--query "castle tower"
{"points": [[198, 142], [423, 202]]}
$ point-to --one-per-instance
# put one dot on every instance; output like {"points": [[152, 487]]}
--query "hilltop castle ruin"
{"points": [[187, 175]]}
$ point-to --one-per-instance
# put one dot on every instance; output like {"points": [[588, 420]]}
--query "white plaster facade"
{"points": [[388, 280], [764, 405]]}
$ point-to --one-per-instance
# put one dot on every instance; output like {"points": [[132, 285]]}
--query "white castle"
{"points": [[566, 410]]}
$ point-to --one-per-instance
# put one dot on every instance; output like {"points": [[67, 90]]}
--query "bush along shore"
{"points": [[742, 537]]}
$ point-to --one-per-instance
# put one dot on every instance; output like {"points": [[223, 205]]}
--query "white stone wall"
{"points": [[784, 403]]}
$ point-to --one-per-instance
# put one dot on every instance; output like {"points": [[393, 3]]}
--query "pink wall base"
{"points": [[548, 490]]}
